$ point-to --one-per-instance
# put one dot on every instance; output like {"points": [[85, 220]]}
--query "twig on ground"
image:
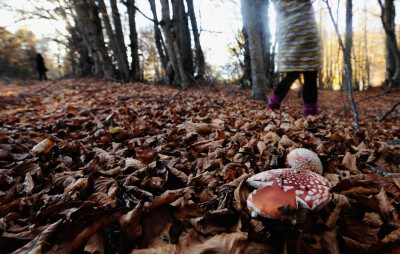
{"points": [[394, 142], [382, 172], [390, 111], [170, 100]]}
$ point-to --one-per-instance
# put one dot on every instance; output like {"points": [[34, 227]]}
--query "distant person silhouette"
{"points": [[40, 67]]}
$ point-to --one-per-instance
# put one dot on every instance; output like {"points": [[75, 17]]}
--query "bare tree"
{"points": [[90, 26], [171, 39], [393, 53], [158, 37], [115, 45], [200, 62], [348, 72], [348, 44], [252, 26], [134, 45]]}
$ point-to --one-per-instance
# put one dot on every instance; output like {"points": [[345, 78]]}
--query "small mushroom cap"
{"points": [[304, 159], [282, 191]]}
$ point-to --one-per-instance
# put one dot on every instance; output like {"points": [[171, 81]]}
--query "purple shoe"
{"points": [[274, 102], [310, 109]]}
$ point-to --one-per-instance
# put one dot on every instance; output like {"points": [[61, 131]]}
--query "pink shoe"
{"points": [[274, 102], [310, 109]]}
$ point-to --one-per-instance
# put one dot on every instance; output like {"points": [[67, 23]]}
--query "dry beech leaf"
{"points": [[130, 222], [286, 142], [354, 246], [136, 164], [102, 199], [261, 147], [359, 190], [223, 243], [372, 219], [392, 237], [349, 161], [43, 147], [35, 246], [385, 205], [95, 244]]}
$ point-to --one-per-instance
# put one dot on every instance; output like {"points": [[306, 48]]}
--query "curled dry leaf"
{"points": [[95, 244], [385, 204], [350, 163], [102, 199], [372, 219], [223, 243], [35, 246], [133, 163], [43, 147]]}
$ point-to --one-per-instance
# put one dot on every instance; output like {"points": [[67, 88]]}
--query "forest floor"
{"points": [[151, 169]]}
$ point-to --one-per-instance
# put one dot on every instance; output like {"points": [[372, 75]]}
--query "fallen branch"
{"points": [[390, 111], [170, 100], [382, 172], [394, 142]]}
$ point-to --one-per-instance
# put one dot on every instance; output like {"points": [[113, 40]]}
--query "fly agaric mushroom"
{"points": [[281, 192], [304, 159]]}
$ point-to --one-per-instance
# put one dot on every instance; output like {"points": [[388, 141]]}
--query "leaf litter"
{"points": [[102, 167]]}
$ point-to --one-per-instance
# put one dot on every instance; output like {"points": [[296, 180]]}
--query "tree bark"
{"points": [[245, 81], [392, 51], [200, 62], [348, 42], [262, 9], [113, 41], [91, 26], [250, 21], [135, 63], [119, 36], [158, 37], [172, 45]]}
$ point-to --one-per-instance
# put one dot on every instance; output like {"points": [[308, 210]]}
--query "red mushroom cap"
{"points": [[304, 159], [282, 191]]}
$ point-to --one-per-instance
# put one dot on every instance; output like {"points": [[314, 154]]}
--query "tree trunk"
{"points": [[119, 36], [113, 41], [172, 45], [181, 26], [262, 9], [392, 52], [135, 63], [158, 37], [348, 42], [245, 81], [250, 21], [91, 26], [200, 62]]}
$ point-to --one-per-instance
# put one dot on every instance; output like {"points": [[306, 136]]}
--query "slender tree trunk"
{"points": [[392, 51], [262, 10], [259, 90], [135, 63], [186, 42], [172, 45], [114, 44], [158, 37], [119, 36], [348, 42], [91, 26], [245, 81], [200, 62], [366, 48]]}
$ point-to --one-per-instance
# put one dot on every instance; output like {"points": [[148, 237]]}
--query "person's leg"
{"points": [[40, 75], [282, 89], [45, 76], [310, 93]]}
